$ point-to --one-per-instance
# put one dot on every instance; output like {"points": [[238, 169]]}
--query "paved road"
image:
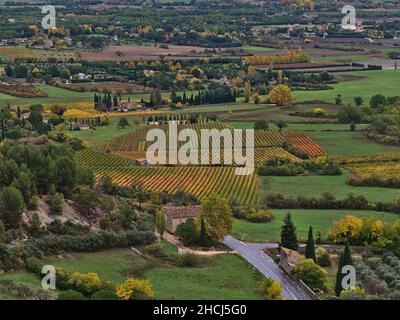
{"points": [[253, 253]]}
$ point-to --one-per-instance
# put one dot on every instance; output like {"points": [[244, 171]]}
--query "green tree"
{"points": [[345, 260], [377, 101], [261, 125], [2, 231], [217, 216], [358, 101], [288, 233], [123, 123], [66, 174], [187, 233], [25, 183], [11, 205], [160, 222], [56, 203], [126, 215], [204, 239], [310, 246], [35, 226]]}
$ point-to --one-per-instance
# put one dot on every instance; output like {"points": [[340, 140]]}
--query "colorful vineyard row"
{"points": [[200, 181], [302, 142], [261, 155]]}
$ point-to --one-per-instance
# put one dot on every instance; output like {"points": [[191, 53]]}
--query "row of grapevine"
{"points": [[200, 181], [303, 143]]}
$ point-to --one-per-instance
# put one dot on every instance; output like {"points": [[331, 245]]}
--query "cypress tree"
{"points": [[310, 246], [345, 260], [203, 234], [288, 233]]}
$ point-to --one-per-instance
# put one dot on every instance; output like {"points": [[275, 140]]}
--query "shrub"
{"points": [[189, 260], [70, 295], [104, 294], [270, 288], [34, 265], [87, 284], [323, 258], [135, 289], [353, 294], [311, 273]]}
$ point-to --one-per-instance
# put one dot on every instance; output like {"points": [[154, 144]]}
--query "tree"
{"points": [[281, 95], [204, 239], [217, 216], [123, 123], [311, 273], [281, 125], [35, 226], [126, 215], [56, 203], [2, 231], [66, 174], [35, 119], [11, 205], [377, 101], [247, 91], [187, 233], [358, 101], [288, 233], [261, 125], [160, 222], [345, 260], [310, 246], [65, 74]]}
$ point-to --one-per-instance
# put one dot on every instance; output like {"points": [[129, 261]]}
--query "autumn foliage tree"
{"points": [[281, 95], [217, 216]]}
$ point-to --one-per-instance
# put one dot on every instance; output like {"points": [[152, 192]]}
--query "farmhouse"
{"points": [[177, 215]]}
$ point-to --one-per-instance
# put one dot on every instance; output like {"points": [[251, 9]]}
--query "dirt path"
{"points": [[173, 240]]}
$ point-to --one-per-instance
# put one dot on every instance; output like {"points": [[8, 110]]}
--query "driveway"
{"points": [[254, 254]]}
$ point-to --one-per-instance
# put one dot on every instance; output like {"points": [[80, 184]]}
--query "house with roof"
{"points": [[176, 215]]}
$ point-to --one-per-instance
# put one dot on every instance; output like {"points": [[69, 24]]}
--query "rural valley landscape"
{"points": [[200, 150]]}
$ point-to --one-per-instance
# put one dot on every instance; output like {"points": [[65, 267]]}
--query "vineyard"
{"points": [[267, 144], [199, 181], [383, 170]]}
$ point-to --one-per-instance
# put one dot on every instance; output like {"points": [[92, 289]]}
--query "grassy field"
{"points": [[104, 133], [321, 220], [315, 186], [348, 143], [368, 84], [298, 126], [227, 277], [223, 277]]}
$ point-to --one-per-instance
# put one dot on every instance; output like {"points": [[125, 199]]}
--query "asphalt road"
{"points": [[253, 253]]}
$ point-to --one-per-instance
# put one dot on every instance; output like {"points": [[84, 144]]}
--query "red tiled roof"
{"points": [[181, 212]]}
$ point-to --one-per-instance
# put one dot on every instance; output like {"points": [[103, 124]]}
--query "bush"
{"points": [[270, 288], [189, 260], [104, 294], [323, 258], [311, 273], [34, 265], [70, 295], [135, 289]]}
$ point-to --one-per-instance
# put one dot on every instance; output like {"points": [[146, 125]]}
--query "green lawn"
{"points": [[321, 220], [223, 277], [315, 186], [226, 278], [348, 143], [104, 133], [372, 82]]}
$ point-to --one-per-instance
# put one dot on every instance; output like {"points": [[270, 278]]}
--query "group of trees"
{"points": [[213, 94], [27, 171]]}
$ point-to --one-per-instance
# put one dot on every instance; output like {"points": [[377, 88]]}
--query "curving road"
{"points": [[254, 254]]}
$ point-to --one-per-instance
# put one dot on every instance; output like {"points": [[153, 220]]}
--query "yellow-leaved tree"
{"points": [[217, 216], [281, 95]]}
